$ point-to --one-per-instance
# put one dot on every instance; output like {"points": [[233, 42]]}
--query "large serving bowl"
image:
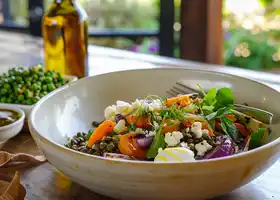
{"points": [[73, 107]]}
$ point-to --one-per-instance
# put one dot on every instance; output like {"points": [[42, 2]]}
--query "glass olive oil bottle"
{"points": [[65, 32]]}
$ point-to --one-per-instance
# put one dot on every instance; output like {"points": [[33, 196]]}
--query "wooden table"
{"points": [[45, 183]]}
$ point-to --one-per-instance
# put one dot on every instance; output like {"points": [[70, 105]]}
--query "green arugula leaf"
{"points": [[210, 98], [229, 128], [158, 142], [256, 138], [224, 98]]}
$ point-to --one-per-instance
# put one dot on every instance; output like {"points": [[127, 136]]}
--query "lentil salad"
{"points": [[178, 129]]}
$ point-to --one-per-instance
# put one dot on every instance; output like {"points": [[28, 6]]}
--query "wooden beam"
{"points": [[201, 32]]}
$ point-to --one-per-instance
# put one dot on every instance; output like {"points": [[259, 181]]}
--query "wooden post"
{"points": [[201, 32]]}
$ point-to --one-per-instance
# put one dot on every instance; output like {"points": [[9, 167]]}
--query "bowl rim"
{"points": [[16, 109], [60, 147]]}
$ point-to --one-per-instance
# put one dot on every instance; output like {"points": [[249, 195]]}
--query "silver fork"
{"points": [[259, 114]]}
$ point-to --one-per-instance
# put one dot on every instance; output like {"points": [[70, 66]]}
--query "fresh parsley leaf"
{"points": [[224, 98], [210, 98], [158, 142], [229, 128], [256, 138]]}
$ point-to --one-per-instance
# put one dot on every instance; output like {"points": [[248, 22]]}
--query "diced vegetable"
{"points": [[120, 127], [129, 146], [139, 121], [242, 129], [226, 148], [183, 101], [170, 126], [144, 142], [102, 130]]}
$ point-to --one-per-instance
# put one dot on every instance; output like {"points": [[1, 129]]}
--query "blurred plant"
{"points": [[251, 51]]}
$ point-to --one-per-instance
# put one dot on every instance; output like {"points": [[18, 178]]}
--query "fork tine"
{"points": [[175, 93], [171, 93], [189, 88], [178, 90]]}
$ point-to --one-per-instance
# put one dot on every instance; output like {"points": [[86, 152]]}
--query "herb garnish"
{"points": [[217, 103], [158, 142]]}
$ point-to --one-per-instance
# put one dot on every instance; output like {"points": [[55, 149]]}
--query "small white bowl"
{"points": [[9, 131]]}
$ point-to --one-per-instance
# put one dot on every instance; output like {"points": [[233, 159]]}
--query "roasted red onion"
{"points": [[144, 142], [226, 148]]}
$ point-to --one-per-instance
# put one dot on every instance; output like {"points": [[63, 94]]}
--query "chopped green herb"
{"points": [[158, 142]]}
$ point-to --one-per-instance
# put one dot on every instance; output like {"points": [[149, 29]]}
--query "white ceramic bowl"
{"points": [[11, 130], [72, 108]]}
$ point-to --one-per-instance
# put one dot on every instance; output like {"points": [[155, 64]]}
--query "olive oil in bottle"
{"points": [[65, 32]]}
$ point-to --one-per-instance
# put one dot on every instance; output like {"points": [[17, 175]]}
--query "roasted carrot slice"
{"points": [[183, 101], [139, 121], [128, 146], [242, 129], [169, 127], [102, 130]]}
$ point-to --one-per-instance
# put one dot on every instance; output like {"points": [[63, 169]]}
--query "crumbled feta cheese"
{"points": [[202, 148], [177, 154], [110, 112], [151, 133], [137, 104], [196, 129], [205, 132], [120, 127], [172, 139], [187, 129], [123, 108], [139, 130], [159, 150], [184, 144], [155, 105]]}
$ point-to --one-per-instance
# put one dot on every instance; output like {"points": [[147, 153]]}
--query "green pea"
{"points": [[3, 99], [26, 73], [51, 87], [18, 79], [29, 102], [7, 86], [36, 99], [20, 97], [44, 87], [48, 80], [9, 100], [28, 84], [4, 91]]}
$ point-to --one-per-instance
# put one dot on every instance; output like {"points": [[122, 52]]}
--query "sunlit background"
{"points": [[251, 27]]}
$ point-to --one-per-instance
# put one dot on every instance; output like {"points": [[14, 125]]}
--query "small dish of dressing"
{"points": [[11, 122]]}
